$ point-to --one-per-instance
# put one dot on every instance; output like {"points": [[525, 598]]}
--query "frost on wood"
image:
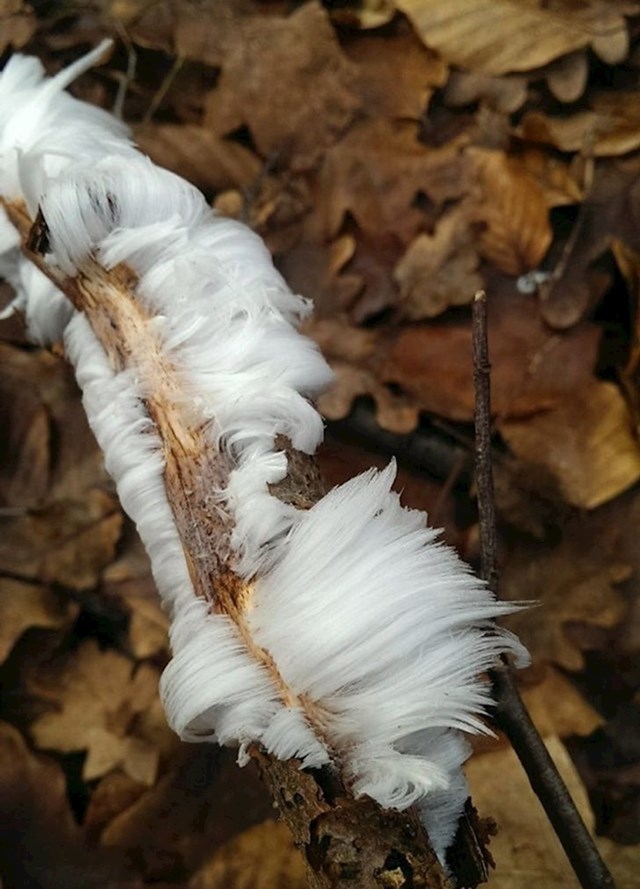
{"points": [[343, 633]]}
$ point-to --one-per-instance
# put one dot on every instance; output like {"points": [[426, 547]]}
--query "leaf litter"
{"points": [[396, 157]]}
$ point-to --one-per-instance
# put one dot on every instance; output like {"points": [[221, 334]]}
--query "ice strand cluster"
{"points": [[366, 616]]}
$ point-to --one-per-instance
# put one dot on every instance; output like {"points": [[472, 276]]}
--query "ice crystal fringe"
{"points": [[365, 614]]}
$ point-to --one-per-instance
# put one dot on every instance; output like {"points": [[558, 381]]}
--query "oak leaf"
{"points": [[96, 696], [26, 605], [440, 270], [375, 172], [396, 74], [287, 79]]}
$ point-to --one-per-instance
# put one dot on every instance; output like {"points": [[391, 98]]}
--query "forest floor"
{"points": [[396, 159]]}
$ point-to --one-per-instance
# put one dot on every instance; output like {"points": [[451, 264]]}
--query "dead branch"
{"points": [[511, 714]]}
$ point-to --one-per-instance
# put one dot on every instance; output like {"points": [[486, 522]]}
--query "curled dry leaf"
{"points": [[440, 270], [610, 209], [393, 412], [611, 128], [585, 441], [42, 413], [26, 605], [499, 36], [128, 579], [567, 77], [263, 857], [517, 231], [96, 696], [114, 793], [287, 79], [396, 74], [505, 94]]}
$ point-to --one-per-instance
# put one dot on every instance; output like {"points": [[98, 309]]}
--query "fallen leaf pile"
{"points": [[397, 156]]}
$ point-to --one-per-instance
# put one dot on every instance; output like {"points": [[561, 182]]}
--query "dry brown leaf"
{"points": [[199, 156], [553, 175], [498, 36], [628, 261], [567, 77], [514, 210], [610, 209], [558, 708], [505, 94], [25, 605], [114, 793], [263, 857], [316, 269], [610, 128], [364, 14], [40, 843], [148, 627], [531, 368], [393, 412], [585, 441], [288, 81], [128, 579], [18, 24], [397, 75], [525, 848], [67, 543], [440, 270], [428, 366], [40, 381], [575, 586], [375, 172], [97, 695], [202, 803], [24, 444]]}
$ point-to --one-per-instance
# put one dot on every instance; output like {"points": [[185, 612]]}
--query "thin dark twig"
{"points": [[512, 715]]}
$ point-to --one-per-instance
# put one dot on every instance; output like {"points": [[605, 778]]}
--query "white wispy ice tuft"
{"points": [[374, 634]]}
